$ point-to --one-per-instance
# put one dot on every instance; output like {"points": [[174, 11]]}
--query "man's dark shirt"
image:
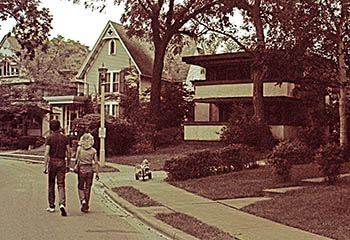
{"points": [[57, 143]]}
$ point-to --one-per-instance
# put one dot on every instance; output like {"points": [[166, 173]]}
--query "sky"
{"points": [[74, 22]]}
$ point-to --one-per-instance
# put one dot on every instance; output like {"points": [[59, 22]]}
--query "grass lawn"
{"points": [[318, 208], [246, 183], [158, 157], [193, 226], [321, 209], [135, 197]]}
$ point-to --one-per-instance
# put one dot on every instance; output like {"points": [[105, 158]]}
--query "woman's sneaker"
{"points": [[63, 210], [50, 209]]}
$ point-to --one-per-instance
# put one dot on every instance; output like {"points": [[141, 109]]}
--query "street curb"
{"points": [[23, 157], [148, 219]]}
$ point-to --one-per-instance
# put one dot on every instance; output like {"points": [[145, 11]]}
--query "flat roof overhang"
{"points": [[62, 100], [217, 59]]}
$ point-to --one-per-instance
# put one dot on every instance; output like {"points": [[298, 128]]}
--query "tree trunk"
{"points": [[258, 97], [258, 69], [343, 113], [158, 64]]}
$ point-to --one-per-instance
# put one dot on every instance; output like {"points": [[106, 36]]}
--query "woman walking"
{"points": [[86, 163]]}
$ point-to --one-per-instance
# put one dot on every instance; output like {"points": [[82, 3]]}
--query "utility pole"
{"points": [[102, 75]]}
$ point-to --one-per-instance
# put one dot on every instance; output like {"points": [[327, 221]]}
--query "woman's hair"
{"points": [[86, 141]]}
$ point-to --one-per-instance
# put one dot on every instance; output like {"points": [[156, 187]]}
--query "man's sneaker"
{"points": [[84, 207], [49, 209], [63, 210]]}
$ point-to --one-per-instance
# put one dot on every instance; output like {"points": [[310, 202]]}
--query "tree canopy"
{"points": [[32, 23], [53, 67]]}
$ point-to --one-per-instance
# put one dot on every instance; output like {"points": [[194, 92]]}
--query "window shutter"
{"points": [[122, 81]]}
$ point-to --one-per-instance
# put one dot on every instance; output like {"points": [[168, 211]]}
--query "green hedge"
{"points": [[205, 163]]}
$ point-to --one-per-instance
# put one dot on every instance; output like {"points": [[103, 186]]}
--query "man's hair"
{"points": [[54, 125]]}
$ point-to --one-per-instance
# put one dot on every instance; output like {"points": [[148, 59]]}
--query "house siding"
{"points": [[115, 62], [271, 89]]}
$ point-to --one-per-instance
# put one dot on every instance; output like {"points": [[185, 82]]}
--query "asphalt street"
{"points": [[23, 203]]}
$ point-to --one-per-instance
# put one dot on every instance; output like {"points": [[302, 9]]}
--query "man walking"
{"points": [[56, 165]]}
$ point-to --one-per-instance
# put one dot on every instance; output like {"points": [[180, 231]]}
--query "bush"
{"points": [[287, 153], [250, 133], [39, 142], [206, 163], [313, 136], [281, 168], [294, 150], [120, 138], [25, 141], [329, 159], [120, 135], [194, 165], [168, 136], [8, 142]]}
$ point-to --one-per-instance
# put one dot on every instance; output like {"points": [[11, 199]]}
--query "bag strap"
{"points": [[77, 156]]}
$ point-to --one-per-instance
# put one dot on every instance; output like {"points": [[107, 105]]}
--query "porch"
{"points": [[68, 108]]}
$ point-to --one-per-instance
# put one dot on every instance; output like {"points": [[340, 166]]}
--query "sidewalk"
{"points": [[216, 213], [222, 214]]}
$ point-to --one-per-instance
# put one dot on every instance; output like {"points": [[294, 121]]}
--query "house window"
{"points": [[112, 109], [114, 82], [8, 69], [112, 47]]}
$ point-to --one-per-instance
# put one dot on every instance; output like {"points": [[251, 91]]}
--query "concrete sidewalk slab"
{"points": [[239, 203]]}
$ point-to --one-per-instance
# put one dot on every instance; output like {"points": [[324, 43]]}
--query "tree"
{"points": [[32, 24], [330, 41], [163, 23], [335, 15], [254, 15], [53, 67]]}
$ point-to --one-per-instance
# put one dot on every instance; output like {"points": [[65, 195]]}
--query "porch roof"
{"points": [[62, 100]]}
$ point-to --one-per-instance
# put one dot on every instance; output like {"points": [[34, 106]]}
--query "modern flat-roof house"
{"points": [[115, 51], [227, 81]]}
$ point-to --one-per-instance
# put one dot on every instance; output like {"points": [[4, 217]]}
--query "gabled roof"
{"points": [[14, 45], [137, 52], [140, 51]]}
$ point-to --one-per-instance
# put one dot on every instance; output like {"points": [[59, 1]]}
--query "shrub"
{"points": [[294, 150], [250, 133], [206, 163], [194, 165], [168, 136], [313, 136], [25, 141], [120, 135], [329, 159], [8, 142], [281, 168], [285, 154], [237, 156], [39, 142], [120, 138]]}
